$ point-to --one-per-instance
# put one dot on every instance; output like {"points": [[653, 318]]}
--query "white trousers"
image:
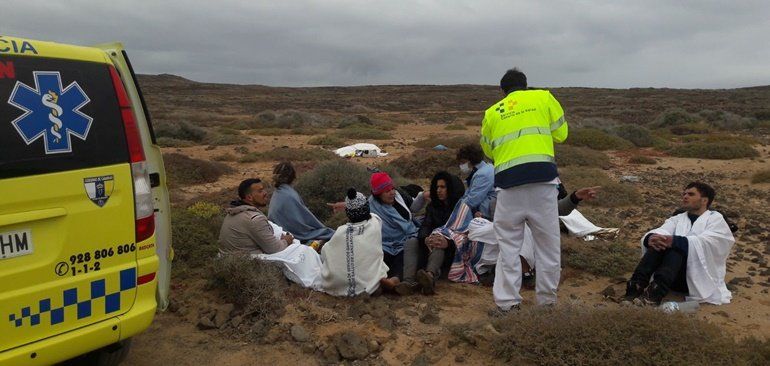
{"points": [[536, 205]]}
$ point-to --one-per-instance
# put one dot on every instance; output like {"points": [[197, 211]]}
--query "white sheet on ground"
{"points": [[483, 230], [360, 150], [300, 263]]}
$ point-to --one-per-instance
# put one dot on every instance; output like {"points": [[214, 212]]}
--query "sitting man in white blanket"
{"points": [[687, 254], [353, 258]]}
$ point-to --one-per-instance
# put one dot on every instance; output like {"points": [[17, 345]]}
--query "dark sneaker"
{"points": [[487, 278], [498, 312], [426, 280], [406, 288], [633, 290], [653, 294], [528, 280]]}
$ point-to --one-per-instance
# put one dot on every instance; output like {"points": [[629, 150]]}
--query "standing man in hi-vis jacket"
{"points": [[518, 133]]}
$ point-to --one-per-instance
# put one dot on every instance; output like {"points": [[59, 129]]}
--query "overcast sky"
{"points": [[592, 43]]}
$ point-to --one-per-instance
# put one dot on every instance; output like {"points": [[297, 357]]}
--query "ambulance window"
{"points": [[57, 115]]}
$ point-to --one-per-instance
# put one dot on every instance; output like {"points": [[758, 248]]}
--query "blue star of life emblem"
{"points": [[51, 111]]}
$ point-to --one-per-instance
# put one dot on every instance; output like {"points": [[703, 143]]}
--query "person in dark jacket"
{"points": [[445, 191]]}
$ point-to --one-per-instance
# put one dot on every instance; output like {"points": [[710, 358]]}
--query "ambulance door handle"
{"points": [[154, 180]]}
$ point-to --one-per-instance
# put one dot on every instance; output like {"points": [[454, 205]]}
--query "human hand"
{"points": [[440, 242], [478, 214], [337, 206], [660, 242], [587, 193], [288, 238], [426, 196]]}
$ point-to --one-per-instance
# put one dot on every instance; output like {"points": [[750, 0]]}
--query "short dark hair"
{"points": [[471, 152], [513, 80], [704, 189], [245, 186], [283, 173]]}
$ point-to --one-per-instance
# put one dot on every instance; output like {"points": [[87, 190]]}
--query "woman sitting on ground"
{"points": [[445, 191], [353, 258], [289, 211]]}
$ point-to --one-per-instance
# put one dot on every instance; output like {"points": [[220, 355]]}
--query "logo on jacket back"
{"points": [[505, 105], [51, 112]]}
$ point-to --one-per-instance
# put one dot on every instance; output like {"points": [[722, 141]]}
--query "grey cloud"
{"points": [[710, 44]]}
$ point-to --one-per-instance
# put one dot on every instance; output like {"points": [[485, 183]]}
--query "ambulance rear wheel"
{"points": [[111, 355]]}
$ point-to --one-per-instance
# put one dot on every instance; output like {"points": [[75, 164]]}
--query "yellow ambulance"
{"points": [[85, 244]]}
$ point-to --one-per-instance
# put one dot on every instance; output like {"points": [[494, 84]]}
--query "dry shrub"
{"points": [[182, 169], [690, 129], [722, 150], [180, 131], [255, 286], [348, 121], [761, 177], [329, 182], [452, 142], [195, 230], [596, 139], [579, 335], [224, 139], [270, 131], [613, 194], [326, 141], [423, 163], [363, 133], [638, 135], [599, 257], [455, 127], [292, 154], [568, 155], [642, 159], [727, 120], [287, 120], [473, 122], [226, 157], [172, 142], [673, 117]]}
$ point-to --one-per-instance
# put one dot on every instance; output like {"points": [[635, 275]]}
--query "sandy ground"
{"points": [[173, 338]]}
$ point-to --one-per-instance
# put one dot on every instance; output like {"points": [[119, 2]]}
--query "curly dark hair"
{"points": [[470, 152], [283, 173], [454, 186]]}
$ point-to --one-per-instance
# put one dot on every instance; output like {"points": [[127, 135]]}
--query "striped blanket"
{"points": [[468, 252]]}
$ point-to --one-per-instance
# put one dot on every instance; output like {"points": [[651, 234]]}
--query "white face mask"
{"points": [[465, 168]]}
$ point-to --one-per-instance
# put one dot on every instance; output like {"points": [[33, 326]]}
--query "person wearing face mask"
{"points": [[480, 178]]}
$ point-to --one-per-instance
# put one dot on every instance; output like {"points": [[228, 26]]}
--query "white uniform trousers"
{"points": [[535, 204]]}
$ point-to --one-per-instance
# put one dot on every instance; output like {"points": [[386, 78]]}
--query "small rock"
{"points": [[366, 317], [299, 333], [609, 291], [330, 355], [206, 323], [385, 323], [459, 359], [722, 313], [308, 347], [236, 320], [421, 360], [183, 311], [351, 345], [411, 313], [374, 346], [430, 318]]}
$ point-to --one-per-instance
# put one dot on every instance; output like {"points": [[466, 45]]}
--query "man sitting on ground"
{"points": [[687, 254], [245, 229]]}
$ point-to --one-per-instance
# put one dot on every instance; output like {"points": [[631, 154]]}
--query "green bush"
{"points": [[596, 139], [180, 131], [723, 150], [638, 135], [183, 170], [270, 131], [355, 120], [761, 177], [673, 117], [455, 127], [613, 194], [226, 157], [568, 155], [452, 142], [423, 163], [582, 335], [329, 182], [642, 159], [287, 120], [599, 257], [727, 120], [292, 154], [195, 231], [327, 141]]}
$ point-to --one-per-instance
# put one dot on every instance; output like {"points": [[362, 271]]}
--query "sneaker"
{"points": [[498, 312], [633, 290], [488, 278], [406, 288], [653, 294], [426, 280], [528, 280]]}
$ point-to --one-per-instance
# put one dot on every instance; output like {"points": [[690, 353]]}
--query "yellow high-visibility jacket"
{"points": [[518, 133]]}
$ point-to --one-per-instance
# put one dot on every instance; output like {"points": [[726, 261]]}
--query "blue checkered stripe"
{"points": [[70, 298]]}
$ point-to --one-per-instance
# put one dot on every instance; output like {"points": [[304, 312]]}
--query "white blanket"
{"points": [[483, 230], [352, 259], [709, 243], [300, 263]]}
